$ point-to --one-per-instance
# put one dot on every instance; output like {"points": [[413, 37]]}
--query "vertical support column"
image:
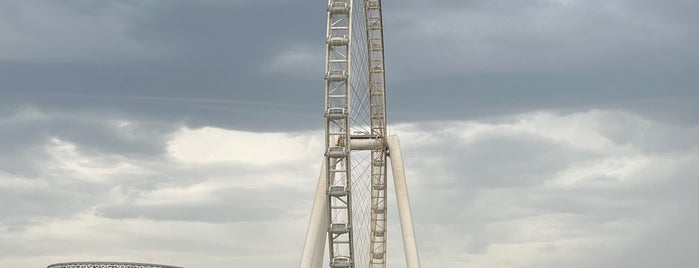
{"points": [[406, 218], [314, 246]]}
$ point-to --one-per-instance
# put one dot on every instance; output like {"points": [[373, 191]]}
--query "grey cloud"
{"points": [[235, 212], [215, 56], [593, 56], [476, 59], [240, 205], [26, 138], [469, 194], [505, 169], [540, 36], [206, 63], [667, 97], [44, 198], [521, 160], [64, 31], [40, 187], [665, 237], [472, 195], [670, 243], [19, 203], [651, 137], [43, 188]]}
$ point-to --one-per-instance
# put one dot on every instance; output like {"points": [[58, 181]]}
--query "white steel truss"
{"points": [[355, 99], [337, 132], [377, 105]]}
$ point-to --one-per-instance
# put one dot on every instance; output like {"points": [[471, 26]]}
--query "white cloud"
{"points": [[541, 189], [215, 145], [95, 169]]}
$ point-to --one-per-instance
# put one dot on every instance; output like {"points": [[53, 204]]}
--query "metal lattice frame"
{"points": [[109, 265], [357, 148], [377, 91], [340, 85], [337, 139]]}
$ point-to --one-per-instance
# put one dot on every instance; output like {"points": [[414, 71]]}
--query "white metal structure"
{"points": [[109, 265], [349, 209]]}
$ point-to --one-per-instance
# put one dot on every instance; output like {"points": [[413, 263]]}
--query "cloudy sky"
{"points": [[537, 133]]}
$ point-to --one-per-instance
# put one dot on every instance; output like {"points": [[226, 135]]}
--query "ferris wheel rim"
{"points": [[355, 121]]}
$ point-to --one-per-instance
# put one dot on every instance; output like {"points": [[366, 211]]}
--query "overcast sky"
{"points": [[537, 133]]}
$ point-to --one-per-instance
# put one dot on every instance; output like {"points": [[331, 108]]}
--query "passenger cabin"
{"points": [[341, 262], [339, 228], [336, 113], [337, 7], [337, 191], [337, 76]]}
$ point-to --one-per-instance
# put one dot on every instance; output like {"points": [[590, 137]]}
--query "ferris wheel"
{"points": [[349, 209]]}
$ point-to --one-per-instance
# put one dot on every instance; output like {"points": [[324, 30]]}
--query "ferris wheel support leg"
{"points": [[406, 218], [314, 246]]}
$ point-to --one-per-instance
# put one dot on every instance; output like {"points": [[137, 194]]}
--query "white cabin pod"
{"points": [[336, 76], [336, 113], [339, 228], [341, 262], [338, 40], [339, 7], [337, 191]]}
